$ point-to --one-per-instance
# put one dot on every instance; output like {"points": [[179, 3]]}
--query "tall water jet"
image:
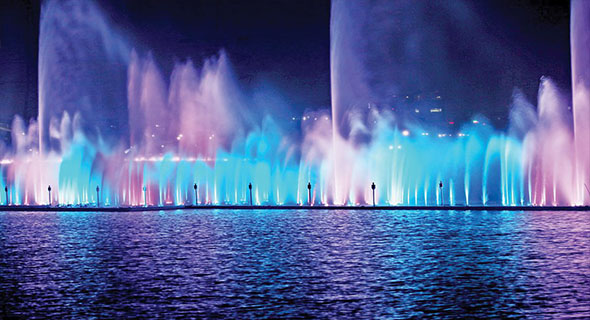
{"points": [[580, 48], [349, 87], [82, 69]]}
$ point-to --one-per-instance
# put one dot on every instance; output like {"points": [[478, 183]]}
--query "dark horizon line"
{"points": [[47, 208]]}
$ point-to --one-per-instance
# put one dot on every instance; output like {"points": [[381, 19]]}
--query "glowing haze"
{"points": [[113, 128]]}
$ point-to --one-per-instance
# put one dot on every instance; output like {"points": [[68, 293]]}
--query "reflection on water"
{"points": [[252, 264]]}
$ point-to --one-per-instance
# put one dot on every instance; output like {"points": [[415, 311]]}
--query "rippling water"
{"points": [[295, 264]]}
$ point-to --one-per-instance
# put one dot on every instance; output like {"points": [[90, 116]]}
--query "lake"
{"points": [[294, 264]]}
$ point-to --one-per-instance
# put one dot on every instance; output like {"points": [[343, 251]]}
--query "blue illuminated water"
{"points": [[295, 264]]}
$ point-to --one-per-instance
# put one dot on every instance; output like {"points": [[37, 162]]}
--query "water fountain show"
{"points": [[114, 130]]}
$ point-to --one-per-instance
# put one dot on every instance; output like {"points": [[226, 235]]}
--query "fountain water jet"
{"points": [[580, 46]]}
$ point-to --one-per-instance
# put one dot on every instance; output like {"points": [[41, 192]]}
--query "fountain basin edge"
{"points": [[45, 208]]}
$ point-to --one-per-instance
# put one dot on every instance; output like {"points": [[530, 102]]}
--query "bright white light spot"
{"points": [[162, 146], [405, 133], [399, 146], [157, 125], [425, 133], [436, 110], [475, 121], [390, 147], [416, 110]]}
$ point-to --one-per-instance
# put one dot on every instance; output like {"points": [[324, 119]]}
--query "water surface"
{"points": [[295, 264]]}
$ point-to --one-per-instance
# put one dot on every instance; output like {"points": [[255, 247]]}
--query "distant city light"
{"points": [[425, 133], [390, 147], [436, 110], [405, 133], [416, 110], [475, 121]]}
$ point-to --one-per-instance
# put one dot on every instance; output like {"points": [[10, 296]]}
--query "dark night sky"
{"points": [[286, 44]]}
